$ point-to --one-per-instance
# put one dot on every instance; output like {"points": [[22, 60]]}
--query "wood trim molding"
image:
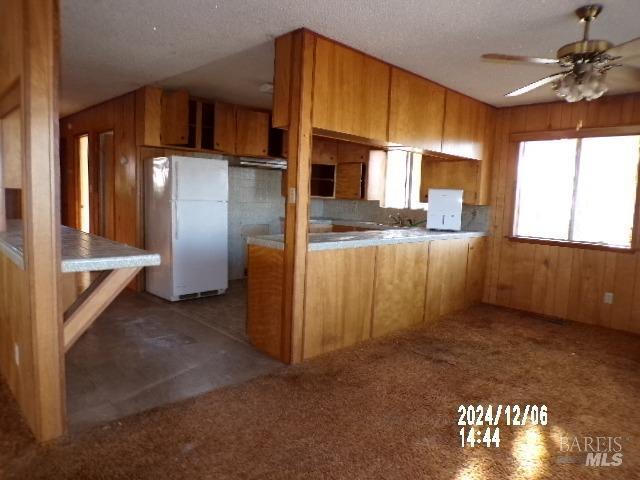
{"points": [[93, 302], [570, 244], [575, 133]]}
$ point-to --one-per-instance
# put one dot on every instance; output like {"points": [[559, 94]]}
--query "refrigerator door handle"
{"points": [[177, 222], [177, 179]]}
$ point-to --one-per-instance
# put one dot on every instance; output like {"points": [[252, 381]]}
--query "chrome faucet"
{"points": [[400, 221]]}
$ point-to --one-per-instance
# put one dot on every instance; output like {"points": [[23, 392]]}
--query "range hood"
{"points": [[268, 163]]}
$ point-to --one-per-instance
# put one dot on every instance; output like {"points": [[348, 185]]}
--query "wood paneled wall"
{"points": [[124, 205], [16, 328], [117, 115], [565, 282]]}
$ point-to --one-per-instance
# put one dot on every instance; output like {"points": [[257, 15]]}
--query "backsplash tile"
{"points": [[255, 208], [474, 217]]}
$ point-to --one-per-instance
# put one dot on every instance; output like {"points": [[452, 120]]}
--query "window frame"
{"points": [[515, 139]]}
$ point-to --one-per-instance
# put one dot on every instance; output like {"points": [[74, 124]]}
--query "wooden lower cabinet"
{"points": [[446, 277], [339, 295], [457, 174], [264, 309], [400, 287], [358, 293]]}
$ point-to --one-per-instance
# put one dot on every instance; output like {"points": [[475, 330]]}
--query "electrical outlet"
{"points": [[608, 298], [16, 353]]}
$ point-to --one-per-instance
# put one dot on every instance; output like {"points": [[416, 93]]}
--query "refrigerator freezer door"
{"points": [[200, 179], [199, 247]]}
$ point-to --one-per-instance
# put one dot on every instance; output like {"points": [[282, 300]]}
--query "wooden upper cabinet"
{"points": [[282, 81], [148, 116], [352, 153], [175, 118], [325, 151], [464, 126], [456, 174], [224, 132], [252, 132], [416, 111], [351, 92], [349, 181]]}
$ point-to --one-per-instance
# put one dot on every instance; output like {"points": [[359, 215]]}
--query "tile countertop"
{"points": [[81, 252], [341, 240]]}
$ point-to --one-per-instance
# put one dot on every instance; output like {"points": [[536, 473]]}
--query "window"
{"points": [[579, 190]]}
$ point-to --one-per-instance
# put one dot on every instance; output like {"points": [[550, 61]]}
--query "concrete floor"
{"points": [[144, 352]]}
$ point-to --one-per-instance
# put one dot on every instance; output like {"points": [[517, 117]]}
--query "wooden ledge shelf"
{"points": [[117, 263], [566, 243]]}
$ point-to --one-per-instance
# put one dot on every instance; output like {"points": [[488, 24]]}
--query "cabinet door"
{"points": [[416, 111], [400, 287], [476, 264], [175, 118], [446, 277], [351, 92], [352, 153], [224, 132], [325, 151], [349, 181], [252, 132], [457, 174], [337, 309], [464, 126]]}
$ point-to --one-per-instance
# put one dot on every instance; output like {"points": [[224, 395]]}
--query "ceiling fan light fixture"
{"points": [[568, 89], [592, 85], [585, 64], [574, 87]]}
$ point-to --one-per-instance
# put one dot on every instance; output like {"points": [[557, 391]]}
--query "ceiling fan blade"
{"points": [[625, 77], [627, 49], [520, 58], [539, 83]]}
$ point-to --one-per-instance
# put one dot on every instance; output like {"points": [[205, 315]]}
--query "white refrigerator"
{"points": [[186, 203]]}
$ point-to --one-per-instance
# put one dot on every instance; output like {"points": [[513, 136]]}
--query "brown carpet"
{"points": [[386, 409]]}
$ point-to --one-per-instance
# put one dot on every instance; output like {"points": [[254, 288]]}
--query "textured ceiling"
{"points": [[223, 49]]}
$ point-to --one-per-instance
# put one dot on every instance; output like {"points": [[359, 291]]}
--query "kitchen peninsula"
{"points": [[363, 284], [82, 252]]}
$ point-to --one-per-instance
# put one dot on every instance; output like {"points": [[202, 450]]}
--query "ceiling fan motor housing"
{"points": [[584, 49]]}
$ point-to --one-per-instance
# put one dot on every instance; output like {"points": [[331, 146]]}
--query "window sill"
{"points": [[570, 244]]}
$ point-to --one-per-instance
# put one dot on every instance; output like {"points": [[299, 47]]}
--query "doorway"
{"points": [[84, 206], [96, 183]]}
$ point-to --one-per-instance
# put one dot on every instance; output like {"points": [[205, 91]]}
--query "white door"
{"points": [[199, 247], [200, 179]]}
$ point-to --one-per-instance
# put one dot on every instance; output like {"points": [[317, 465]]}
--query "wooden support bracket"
{"points": [[93, 301]]}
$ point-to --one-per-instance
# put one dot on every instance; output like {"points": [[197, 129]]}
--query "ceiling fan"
{"points": [[586, 64]]}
